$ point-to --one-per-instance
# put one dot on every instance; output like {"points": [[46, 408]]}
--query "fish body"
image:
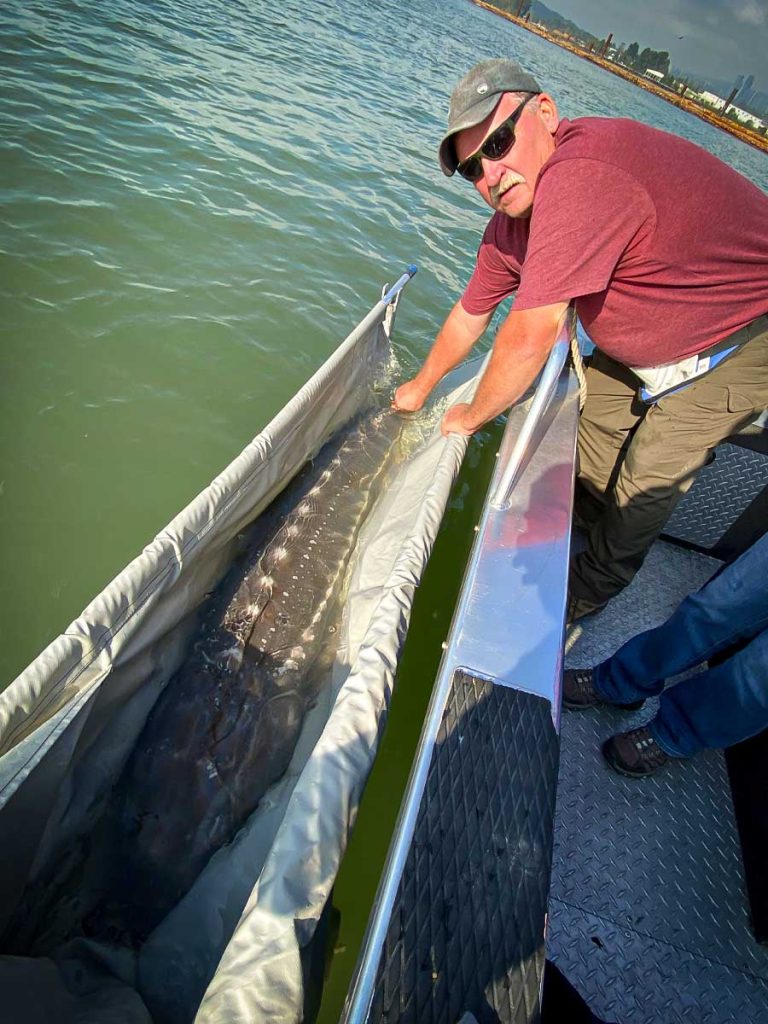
{"points": [[225, 727]]}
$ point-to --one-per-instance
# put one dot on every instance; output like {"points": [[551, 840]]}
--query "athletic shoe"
{"points": [[635, 753], [579, 692]]}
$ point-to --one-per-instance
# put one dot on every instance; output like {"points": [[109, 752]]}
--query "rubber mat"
{"points": [[466, 932]]}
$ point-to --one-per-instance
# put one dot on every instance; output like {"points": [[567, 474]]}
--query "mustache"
{"points": [[510, 178]]}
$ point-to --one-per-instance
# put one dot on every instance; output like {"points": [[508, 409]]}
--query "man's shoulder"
{"points": [[619, 141], [614, 149], [596, 129]]}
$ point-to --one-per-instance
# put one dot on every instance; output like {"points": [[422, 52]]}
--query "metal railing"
{"points": [[508, 623]]}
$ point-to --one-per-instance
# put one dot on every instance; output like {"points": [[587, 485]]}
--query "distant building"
{"points": [[746, 118], [712, 100], [742, 116], [745, 93], [655, 76]]}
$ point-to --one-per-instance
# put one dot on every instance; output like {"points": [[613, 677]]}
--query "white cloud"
{"points": [[751, 14]]}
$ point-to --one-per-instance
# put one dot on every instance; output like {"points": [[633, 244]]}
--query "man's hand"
{"points": [[452, 344], [453, 421], [409, 397]]}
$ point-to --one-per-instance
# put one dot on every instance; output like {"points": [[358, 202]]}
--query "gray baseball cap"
{"points": [[476, 96]]}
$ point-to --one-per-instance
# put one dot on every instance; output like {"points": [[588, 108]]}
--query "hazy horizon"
{"points": [[708, 37]]}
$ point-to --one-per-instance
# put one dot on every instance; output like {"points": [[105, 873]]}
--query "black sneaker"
{"points": [[579, 692], [635, 753]]}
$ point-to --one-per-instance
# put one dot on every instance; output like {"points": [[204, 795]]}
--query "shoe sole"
{"points": [[634, 706]]}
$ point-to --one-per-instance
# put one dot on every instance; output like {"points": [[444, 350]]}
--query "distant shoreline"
{"points": [[739, 131]]}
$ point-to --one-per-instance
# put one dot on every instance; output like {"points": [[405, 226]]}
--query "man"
{"points": [[721, 706], [664, 251]]}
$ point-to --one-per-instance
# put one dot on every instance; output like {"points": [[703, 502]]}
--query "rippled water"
{"points": [[198, 201]]}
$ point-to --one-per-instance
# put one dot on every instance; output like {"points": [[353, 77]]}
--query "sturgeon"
{"points": [[225, 727]]}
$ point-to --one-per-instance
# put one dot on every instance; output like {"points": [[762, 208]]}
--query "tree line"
{"points": [[520, 8], [640, 60]]}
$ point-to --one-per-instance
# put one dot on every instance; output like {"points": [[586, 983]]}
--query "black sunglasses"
{"points": [[497, 145]]}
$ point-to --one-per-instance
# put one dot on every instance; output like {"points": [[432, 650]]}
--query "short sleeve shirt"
{"points": [[663, 247]]}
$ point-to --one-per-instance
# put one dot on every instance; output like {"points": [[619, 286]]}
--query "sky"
{"points": [[722, 38]]}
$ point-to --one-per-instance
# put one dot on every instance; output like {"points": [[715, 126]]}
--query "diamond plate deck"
{"points": [[721, 492], [467, 929], [632, 978], [648, 910]]}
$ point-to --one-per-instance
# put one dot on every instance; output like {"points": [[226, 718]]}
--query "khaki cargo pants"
{"points": [[636, 461]]}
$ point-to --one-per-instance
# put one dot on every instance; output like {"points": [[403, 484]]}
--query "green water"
{"points": [[364, 859], [199, 200]]}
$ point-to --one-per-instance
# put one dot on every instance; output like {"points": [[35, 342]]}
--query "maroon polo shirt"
{"points": [[663, 247]]}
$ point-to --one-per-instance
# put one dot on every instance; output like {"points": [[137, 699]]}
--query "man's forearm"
{"points": [[519, 352], [452, 345]]}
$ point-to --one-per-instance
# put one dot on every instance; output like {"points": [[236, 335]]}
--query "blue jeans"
{"points": [[727, 703]]}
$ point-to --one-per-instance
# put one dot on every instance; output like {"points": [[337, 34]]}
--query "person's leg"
{"points": [[666, 451], [611, 412], [717, 708], [730, 607]]}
